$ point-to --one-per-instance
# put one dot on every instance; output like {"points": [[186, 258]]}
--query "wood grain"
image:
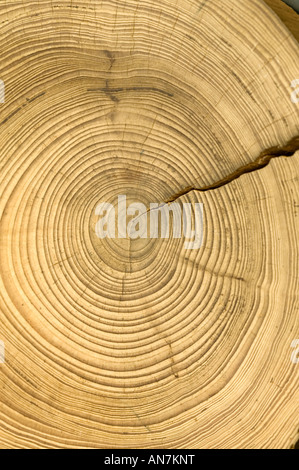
{"points": [[120, 343], [287, 15]]}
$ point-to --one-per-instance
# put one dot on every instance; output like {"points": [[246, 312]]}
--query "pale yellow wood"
{"points": [[143, 344]]}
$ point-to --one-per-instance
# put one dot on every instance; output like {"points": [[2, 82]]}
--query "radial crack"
{"points": [[263, 160]]}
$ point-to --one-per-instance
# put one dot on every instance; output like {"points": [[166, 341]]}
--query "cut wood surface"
{"points": [[122, 343], [287, 15]]}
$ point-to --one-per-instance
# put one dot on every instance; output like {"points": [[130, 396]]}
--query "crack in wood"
{"points": [[263, 160]]}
